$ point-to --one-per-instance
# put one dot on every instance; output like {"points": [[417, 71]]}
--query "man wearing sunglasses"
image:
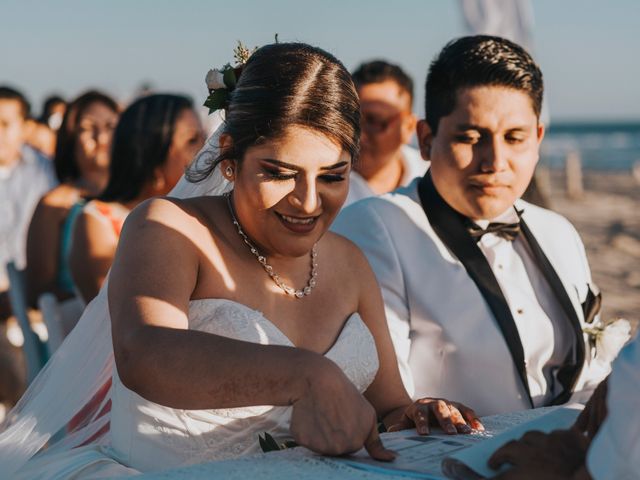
{"points": [[386, 161]]}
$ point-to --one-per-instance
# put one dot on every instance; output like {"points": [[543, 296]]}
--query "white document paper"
{"points": [[471, 463], [441, 456]]}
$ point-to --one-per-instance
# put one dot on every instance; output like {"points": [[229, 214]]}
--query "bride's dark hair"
{"points": [[287, 84]]}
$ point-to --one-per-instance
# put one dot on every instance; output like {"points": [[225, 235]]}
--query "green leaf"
{"points": [[268, 443], [263, 444], [229, 78], [217, 100], [271, 442]]}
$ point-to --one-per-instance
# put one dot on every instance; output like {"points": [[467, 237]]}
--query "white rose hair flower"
{"points": [[222, 81], [215, 79]]}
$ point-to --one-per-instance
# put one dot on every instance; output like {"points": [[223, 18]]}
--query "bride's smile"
{"points": [[287, 191], [298, 224]]}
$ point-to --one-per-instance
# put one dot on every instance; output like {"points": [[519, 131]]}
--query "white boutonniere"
{"points": [[608, 338]]}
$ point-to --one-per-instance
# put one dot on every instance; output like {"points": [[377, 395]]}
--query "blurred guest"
{"points": [[386, 161], [82, 167], [24, 176], [41, 132], [39, 136], [53, 112], [12, 379], [156, 138]]}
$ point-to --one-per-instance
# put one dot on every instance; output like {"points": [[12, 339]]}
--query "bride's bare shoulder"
{"points": [[346, 258], [173, 212], [169, 223]]}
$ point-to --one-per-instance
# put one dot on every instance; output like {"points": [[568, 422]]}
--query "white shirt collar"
{"points": [[508, 216]]}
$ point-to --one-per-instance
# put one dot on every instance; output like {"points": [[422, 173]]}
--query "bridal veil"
{"points": [[83, 365]]}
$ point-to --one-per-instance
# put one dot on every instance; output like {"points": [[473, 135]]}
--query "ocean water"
{"points": [[601, 146]]}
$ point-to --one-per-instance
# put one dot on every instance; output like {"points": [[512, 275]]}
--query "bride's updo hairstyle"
{"points": [[284, 85]]}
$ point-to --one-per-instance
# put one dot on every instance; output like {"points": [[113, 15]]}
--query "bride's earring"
{"points": [[228, 172]]}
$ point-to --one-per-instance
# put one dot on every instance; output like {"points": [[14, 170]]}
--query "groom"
{"points": [[485, 295]]}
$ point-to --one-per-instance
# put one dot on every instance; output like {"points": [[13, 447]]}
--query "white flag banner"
{"points": [[511, 19]]}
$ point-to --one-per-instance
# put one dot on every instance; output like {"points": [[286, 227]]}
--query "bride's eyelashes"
{"points": [[279, 175], [334, 177]]}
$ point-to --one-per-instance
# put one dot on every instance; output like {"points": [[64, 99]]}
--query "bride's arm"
{"points": [[387, 392], [153, 276]]}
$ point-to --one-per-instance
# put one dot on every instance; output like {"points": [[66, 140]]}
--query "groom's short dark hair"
{"points": [[474, 61]]}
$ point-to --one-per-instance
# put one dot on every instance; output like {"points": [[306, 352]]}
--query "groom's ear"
{"points": [[425, 138]]}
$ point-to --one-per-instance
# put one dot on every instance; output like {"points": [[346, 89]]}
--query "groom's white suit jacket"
{"points": [[448, 341]]}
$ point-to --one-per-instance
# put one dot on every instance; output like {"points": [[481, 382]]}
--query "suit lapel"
{"points": [[449, 225], [570, 371]]}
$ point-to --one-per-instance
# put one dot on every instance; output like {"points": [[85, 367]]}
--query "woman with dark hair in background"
{"points": [[81, 163], [156, 138]]}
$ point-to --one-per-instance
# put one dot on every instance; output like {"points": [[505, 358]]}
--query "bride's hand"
{"points": [[452, 417], [331, 417]]}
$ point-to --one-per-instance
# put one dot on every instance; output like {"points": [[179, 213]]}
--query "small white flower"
{"points": [[215, 79], [610, 338]]}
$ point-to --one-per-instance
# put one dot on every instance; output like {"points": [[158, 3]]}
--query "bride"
{"points": [[232, 311]]}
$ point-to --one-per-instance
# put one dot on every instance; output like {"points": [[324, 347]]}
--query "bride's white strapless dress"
{"points": [[149, 437]]}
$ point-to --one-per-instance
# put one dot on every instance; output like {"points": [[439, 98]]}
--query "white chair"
{"points": [[34, 349], [59, 317]]}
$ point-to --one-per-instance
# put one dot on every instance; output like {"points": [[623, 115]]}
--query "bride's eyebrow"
{"points": [[289, 166], [335, 165]]}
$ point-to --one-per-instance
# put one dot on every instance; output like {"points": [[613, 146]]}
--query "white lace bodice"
{"points": [[150, 437]]}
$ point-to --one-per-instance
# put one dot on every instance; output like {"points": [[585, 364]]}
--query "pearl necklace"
{"points": [[269, 269]]}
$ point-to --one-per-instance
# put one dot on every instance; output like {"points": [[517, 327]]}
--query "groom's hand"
{"points": [[330, 417]]}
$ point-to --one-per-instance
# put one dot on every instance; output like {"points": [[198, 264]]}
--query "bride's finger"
{"points": [[373, 445], [404, 424], [420, 417], [470, 416], [458, 420], [443, 416]]}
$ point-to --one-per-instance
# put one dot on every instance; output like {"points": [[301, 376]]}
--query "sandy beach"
{"points": [[608, 219]]}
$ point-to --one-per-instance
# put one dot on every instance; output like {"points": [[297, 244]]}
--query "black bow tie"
{"points": [[508, 231]]}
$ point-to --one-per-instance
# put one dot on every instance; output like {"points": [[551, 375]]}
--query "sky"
{"points": [[588, 49]]}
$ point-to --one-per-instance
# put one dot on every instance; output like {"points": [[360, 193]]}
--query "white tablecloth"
{"points": [[298, 463], [302, 464]]}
